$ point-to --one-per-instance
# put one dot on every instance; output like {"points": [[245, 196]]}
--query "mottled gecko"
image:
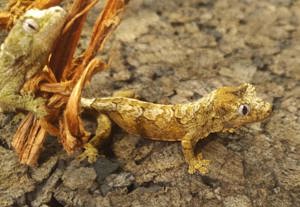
{"points": [[224, 109], [24, 52]]}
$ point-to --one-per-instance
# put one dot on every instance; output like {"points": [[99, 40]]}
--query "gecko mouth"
{"points": [[229, 125]]}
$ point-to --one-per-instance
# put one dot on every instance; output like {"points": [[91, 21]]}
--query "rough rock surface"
{"points": [[177, 51]]}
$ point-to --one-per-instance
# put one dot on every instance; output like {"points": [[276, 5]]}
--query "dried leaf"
{"points": [[34, 144], [29, 139], [4, 19], [105, 24], [73, 130], [43, 4], [62, 58], [20, 136]]}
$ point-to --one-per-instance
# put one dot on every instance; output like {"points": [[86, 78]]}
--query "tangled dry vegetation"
{"points": [[63, 78]]}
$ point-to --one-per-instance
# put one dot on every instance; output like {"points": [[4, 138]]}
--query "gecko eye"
{"points": [[30, 25], [244, 109]]}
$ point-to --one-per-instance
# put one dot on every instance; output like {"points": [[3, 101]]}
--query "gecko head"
{"points": [[237, 106], [35, 32]]}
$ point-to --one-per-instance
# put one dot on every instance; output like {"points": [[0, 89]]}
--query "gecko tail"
{"points": [[86, 102], [98, 104]]}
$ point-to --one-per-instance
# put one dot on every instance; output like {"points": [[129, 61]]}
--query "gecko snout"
{"points": [[266, 110], [269, 108]]}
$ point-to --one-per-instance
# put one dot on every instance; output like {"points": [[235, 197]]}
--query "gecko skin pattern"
{"points": [[223, 110], [24, 52]]}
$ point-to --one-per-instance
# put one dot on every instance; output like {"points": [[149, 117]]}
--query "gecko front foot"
{"points": [[198, 164], [90, 153]]}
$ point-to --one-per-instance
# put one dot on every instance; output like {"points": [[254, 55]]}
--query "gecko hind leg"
{"points": [[103, 130], [196, 163], [102, 133]]}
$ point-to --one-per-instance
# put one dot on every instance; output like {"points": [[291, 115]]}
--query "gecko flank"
{"points": [[24, 52], [224, 109]]}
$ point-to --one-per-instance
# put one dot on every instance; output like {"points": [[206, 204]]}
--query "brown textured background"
{"points": [[170, 52]]}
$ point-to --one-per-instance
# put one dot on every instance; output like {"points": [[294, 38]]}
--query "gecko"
{"points": [[24, 52], [223, 110]]}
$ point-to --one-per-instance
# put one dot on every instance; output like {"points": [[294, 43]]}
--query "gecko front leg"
{"points": [[26, 102], [195, 163]]}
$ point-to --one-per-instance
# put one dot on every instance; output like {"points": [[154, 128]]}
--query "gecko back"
{"points": [[155, 121]]}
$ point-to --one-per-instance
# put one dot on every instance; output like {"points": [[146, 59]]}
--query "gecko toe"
{"points": [[199, 164], [90, 153]]}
